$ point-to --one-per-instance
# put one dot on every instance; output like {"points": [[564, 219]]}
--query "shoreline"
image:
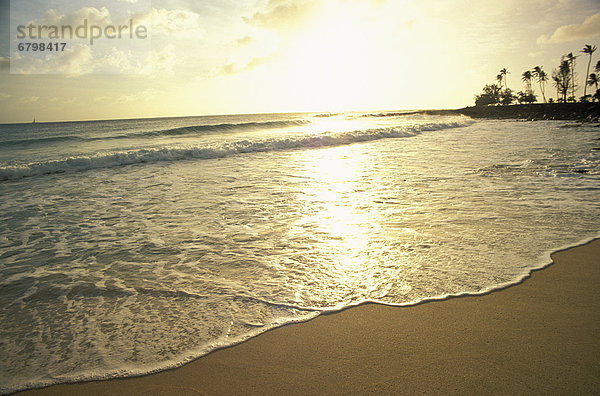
{"points": [[538, 335], [582, 112]]}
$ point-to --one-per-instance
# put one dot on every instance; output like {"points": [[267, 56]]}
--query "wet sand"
{"points": [[538, 337]]}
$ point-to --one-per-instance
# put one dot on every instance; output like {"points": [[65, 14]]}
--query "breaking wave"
{"points": [[187, 130], [152, 155]]}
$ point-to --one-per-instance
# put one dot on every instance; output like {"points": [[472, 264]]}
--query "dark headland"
{"points": [[584, 112]]}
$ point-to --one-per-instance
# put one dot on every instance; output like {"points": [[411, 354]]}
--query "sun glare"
{"points": [[340, 214], [334, 56]]}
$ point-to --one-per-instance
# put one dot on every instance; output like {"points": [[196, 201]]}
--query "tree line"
{"points": [[564, 79]]}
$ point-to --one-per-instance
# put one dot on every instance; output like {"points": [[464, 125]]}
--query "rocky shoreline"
{"points": [[583, 112]]}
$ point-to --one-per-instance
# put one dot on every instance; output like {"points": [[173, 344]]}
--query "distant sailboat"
{"points": [[33, 122]]}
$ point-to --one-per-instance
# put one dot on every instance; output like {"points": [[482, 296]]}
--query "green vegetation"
{"points": [[527, 96], [564, 79]]}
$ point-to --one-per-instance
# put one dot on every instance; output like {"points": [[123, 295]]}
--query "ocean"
{"points": [[132, 246]]}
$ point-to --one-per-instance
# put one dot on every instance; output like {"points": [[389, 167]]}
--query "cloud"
{"points": [[163, 62], [80, 59], [283, 15], [77, 60], [589, 28], [143, 96], [4, 96], [163, 21], [28, 99], [245, 40], [73, 61], [94, 16], [275, 18], [156, 64], [119, 61], [54, 24], [232, 68], [159, 20], [536, 54]]}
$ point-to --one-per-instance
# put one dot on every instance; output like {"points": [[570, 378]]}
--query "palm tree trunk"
{"points": [[573, 79], [542, 91], [544, 94], [586, 76]]}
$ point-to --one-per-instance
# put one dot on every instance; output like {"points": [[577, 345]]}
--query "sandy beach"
{"points": [[539, 337]]}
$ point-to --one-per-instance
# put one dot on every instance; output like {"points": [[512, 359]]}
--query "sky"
{"points": [[265, 56]]}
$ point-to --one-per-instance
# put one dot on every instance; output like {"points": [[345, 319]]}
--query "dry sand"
{"points": [[539, 337]]}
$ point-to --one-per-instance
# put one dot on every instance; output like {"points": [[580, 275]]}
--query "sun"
{"points": [[334, 57]]}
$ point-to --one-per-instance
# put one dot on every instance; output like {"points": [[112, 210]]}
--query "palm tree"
{"points": [[571, 58], [593, 80], [499, 78], [598, 67], [527, 80], [556, 82], [536, 71], [503, 73], [588, 49], [542, 77], [562, 80]]}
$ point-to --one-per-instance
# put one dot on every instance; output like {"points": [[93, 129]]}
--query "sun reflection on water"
{"points": [[338, 212]]}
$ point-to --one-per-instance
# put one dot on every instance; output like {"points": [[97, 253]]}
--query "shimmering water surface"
{"points": [[132, 246]]}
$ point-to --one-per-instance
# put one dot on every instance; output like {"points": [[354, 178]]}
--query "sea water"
{"points": [[131, 246]]}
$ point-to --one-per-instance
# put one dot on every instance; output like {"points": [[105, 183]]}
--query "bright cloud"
{"points": [[172, 22], [73, 61], [94, 16], [588, 29], [284, 15], [79, 59]]}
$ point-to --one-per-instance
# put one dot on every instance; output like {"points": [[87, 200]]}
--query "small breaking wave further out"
{"points": [[178, 131], [210, 150]]}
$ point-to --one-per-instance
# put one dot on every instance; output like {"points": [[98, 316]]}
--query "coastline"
{"points": [[583, 112], [538, 336]]}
